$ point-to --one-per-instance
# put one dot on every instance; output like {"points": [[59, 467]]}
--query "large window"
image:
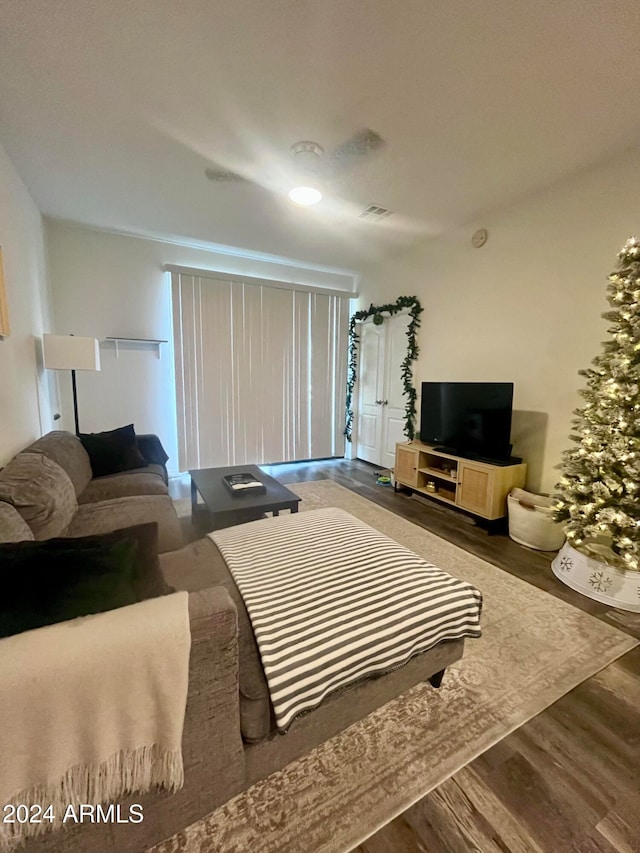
{"points": [[260, 370]]}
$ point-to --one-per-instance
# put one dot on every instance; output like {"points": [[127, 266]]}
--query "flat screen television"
{"points": [[470, 419]]}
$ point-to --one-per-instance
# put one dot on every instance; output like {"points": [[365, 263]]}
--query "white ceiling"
{"points": [[111, 111]]}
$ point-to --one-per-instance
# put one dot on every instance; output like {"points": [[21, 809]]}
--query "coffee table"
{"points": [[225, 508]]}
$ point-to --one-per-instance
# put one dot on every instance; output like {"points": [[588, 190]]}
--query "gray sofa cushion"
{"points": [[66, 449], [110, 515], [13, 527], [41, 491], [139, 481], [200, 565]]}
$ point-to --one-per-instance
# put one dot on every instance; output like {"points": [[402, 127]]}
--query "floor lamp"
{"points": [[69, 352]]}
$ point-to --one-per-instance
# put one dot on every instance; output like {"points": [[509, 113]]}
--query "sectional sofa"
{"points": [[48, 490], [229, 740]]}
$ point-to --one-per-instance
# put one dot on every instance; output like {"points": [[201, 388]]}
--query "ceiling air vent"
{"points": [[375, 212]]}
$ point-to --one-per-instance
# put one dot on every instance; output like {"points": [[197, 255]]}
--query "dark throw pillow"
{"points": [[59, 579], [148, 580], [113, 451]]}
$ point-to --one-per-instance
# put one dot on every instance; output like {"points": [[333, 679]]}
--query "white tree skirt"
{"points": [[597, 580]]}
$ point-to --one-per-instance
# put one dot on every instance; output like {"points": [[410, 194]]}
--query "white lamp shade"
{"points": [[70, 352]]}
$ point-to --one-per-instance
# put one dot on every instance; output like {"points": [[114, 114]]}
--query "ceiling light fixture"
{"points": [[307, 156], [305, 196]]}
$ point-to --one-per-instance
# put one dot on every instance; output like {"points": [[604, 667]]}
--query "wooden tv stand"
{"points": [[477, 487]]}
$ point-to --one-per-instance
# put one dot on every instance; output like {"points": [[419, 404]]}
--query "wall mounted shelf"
{"points": [[119, 340]]}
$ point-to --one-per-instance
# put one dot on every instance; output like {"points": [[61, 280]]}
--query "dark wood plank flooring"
{"points": [[568, 780]]}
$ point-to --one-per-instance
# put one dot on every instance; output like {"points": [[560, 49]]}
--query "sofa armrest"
{"points": [[154, 453], [104, 516], [213, 755], [212, 750], [212, 740]]}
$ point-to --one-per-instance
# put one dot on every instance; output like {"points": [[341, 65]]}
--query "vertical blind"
{"points": [[260, 371]]}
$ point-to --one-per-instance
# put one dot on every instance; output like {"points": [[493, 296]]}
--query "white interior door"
{"points": [[393, 400], [370, 390], [381, 402]]}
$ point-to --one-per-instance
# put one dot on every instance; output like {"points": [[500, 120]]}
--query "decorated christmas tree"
{"points": [[599, 491]]}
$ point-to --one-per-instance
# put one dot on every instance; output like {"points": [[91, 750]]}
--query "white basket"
{"points": [[530, 521]]}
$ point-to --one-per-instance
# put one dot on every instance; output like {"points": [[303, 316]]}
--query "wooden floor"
{"points": [[568, 780]]}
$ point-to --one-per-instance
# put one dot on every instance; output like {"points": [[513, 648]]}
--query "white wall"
{"points": [[26, 405], [107, 284], [525, 307]]}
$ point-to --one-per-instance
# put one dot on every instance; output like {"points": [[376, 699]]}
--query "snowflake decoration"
{"points": [[600, 581], [566, 564]]}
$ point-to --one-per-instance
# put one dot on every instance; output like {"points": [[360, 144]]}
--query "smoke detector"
{"points": [[307, 155], [479, 238]]}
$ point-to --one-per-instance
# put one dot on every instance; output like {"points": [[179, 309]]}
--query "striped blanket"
{"points": [[333, 601]]}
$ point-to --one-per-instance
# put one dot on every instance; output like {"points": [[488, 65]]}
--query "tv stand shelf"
{"points": [[480, 488]]}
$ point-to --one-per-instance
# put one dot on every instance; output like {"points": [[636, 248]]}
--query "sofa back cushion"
{"points": [[41, 491], [67, 451], [13, 527]]}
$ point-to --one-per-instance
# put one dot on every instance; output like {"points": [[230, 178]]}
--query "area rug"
{"points": [[534, 649]]}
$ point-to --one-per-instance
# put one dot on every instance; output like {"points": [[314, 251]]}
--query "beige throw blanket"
{"points": [[93, 709]]}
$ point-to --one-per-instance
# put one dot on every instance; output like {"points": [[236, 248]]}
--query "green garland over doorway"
{"points": [[406, 371]]}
